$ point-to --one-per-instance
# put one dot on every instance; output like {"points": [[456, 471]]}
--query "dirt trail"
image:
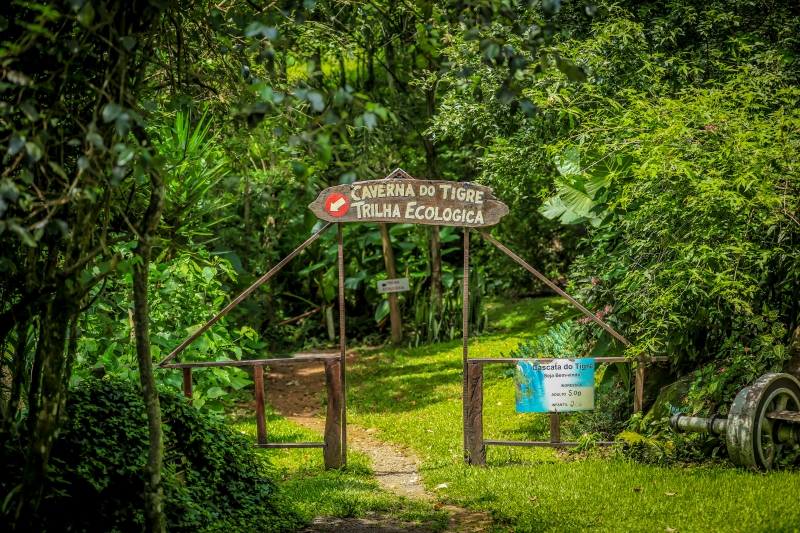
{"points": [[296, 390]]}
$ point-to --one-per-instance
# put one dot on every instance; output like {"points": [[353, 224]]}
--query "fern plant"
{"points": [[559, 341]]}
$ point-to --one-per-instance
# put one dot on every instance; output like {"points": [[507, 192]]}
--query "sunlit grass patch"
{"points": [[348, 493]]}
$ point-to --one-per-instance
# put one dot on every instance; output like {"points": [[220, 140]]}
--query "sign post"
{"points": [[403, 199]]}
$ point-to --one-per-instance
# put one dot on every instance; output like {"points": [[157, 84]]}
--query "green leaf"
{"points": [[95, 139], [86, 14], [111, 112], [215, 392], [208, 274], [569, 162], [382, 310], [57, 169]]}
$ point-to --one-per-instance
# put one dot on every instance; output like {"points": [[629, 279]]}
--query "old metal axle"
{"points": [[762, 429]]}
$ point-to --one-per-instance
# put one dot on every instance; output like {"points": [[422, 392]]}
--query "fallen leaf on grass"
{"points": [[533, 499], [670, 529], [670, 493], [440, 486], [637, 489]]}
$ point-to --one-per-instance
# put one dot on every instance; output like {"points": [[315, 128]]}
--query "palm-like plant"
{"points": [[194, 168]]}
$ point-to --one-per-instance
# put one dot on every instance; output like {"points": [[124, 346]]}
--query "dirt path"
{"points": [[296, 390]]}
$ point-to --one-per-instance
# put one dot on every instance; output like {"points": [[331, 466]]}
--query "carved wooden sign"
{"points": [[400, 198]]}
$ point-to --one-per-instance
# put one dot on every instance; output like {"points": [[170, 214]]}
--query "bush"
{"points": [[213, 481]]}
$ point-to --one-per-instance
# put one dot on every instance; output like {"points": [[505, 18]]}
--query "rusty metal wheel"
{"points": [[755, 441]]}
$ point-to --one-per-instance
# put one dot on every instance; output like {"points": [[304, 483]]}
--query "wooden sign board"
{"points": [[393, 285], [399, 198]]}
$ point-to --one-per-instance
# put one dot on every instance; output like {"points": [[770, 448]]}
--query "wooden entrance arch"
{"points": [[399, 198]]}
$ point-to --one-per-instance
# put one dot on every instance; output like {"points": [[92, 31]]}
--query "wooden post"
{"points": [[555, 427], [333, 419], [342, 349], [187, 383], [261, 417], [639, 390], [465, 342], [475, 446], [395, 318]]}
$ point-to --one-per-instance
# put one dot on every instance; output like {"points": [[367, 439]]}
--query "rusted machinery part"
{"points": [[762, 429], [713, 425], [755, 439]]}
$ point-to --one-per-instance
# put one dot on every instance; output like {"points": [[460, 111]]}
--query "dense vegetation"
{"points": [[214, 481], [158, 157]]}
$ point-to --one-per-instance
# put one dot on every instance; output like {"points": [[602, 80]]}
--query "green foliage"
{"points": [[213, 480], [431, 325], [184, 293], [557, 342]]}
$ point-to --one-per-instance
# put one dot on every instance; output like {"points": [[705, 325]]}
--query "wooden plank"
{"points": [[555, 427], [292, 445], [790, 416], [254, 362], [261, 417], [187, 383], [507, 360], [541, 444], [475, 447], [402, 199], [333, 418], [638, 398]]}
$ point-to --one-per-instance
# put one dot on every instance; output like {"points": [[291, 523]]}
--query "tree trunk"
{"points": [[432, 174], [44, 415], [153, 491], [16, 373], [247, 203], [394, 306], [436, 268]]}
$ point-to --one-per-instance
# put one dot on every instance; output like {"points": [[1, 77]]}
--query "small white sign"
{"points": [[393, 285]]}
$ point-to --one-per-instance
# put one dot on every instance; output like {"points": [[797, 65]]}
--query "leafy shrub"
{"points": [[213, 481], [184, 293]]}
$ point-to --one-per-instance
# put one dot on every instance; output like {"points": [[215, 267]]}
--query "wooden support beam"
{"points": [[187, 383], [540, 444], [342, 350], [465, 344], [638, 398], [261, 417], [507, 360], [475, 447], [333, 418], [555, 427], [292, 445], [253, 362]]}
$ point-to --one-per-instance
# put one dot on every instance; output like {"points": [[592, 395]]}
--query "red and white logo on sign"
{"points": [[337, 205]]}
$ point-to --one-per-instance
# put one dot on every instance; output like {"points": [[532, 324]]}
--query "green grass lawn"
{"points": [[338, 493], [413, 397]]}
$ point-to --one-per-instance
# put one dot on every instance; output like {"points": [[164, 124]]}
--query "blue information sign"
{"points": [[562, 385]]}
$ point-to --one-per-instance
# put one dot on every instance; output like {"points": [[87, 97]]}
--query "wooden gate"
{"points": [[399, 198]]}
